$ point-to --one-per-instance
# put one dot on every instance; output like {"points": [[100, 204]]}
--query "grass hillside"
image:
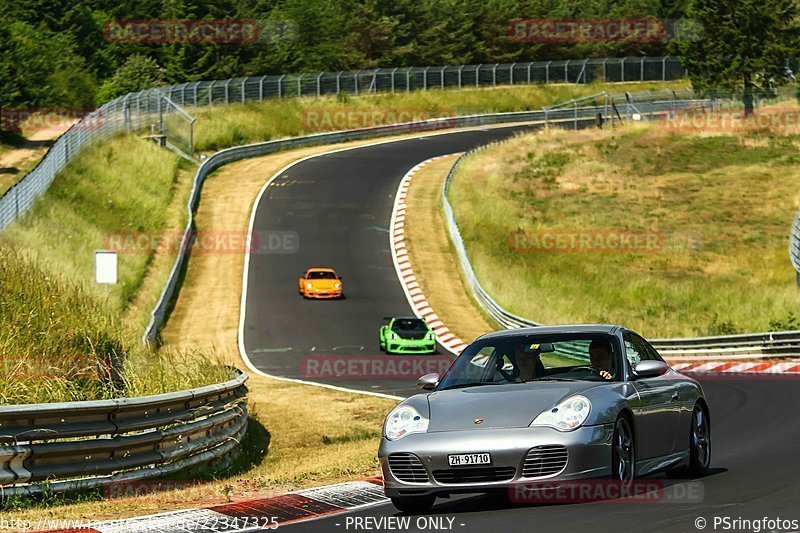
{"points": [[718, 207], [230, 125]]}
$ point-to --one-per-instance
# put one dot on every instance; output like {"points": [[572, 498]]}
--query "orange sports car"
{"points": [[320, 283]]}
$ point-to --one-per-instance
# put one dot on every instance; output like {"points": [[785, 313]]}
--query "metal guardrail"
{"points": [[75, 445], [744, 346], [160, 110], [659, 103], [794, 245]]}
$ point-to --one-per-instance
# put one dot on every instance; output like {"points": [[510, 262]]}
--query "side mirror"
{"points": [[341, 278], [650, 369], [428, 381]]}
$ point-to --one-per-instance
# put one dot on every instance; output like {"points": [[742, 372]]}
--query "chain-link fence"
{"points": [[159, 110], [422, 78]]}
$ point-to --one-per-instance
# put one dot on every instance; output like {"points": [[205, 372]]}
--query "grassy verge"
{"points": [[59, 343], [222, 126], [433, 258], [113, 193], [719, 205]]}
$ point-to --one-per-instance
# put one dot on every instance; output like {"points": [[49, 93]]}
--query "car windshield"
{"points": [[523, 358], [320, 275], [409, 325]]}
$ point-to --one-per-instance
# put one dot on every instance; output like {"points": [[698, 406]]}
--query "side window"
{"points": [[652, 354], [634, 349]]}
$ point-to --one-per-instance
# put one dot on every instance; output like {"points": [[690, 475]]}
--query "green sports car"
{"points": [[406, 335]]}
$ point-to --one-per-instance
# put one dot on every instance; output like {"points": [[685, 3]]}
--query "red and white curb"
{"points": [[732, 367], [252, 515], [405, 271]]}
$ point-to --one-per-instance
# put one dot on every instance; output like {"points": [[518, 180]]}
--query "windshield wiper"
{"points": [[465, 385], [553, 379]]}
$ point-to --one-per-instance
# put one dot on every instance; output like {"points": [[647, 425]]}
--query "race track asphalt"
{"points": [[340, 205]]}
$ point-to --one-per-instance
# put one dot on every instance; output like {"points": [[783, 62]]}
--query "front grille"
{"points": [[408, 468], [543, 461], [475, 475]]}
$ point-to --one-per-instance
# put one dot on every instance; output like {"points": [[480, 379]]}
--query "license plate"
{"points": [[468, 459]]}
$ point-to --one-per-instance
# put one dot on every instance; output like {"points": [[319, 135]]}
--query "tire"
{"points": [[623, 453], [414, 504], [699, 441]]}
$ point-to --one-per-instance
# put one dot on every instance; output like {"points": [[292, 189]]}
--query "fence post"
{"points": [[244, 86], [280, 85], [227, 91], [355, 81], [605, 75], [478, 75], [664, 68], [529, 72], [393, 71], [425, 78], [374, 85], [300, 84], [211, 93], [261, 88], [566, 72], [575, 103], [511, 73], [319, 84], [408, 79], [641, 72], [622, 69], [547, 72], [338, 82], [494, 75]]}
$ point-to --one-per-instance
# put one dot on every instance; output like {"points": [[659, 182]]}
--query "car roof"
{"points": [[609, 329], [406, 318], [320, 269]]}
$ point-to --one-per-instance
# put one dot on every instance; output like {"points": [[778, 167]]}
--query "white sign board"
{"points": [[105, 266], [636, 116]]}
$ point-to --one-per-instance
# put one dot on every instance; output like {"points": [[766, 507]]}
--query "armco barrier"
{"points": [[607, 105], [794, 245], [74, 445], [784, 344]]}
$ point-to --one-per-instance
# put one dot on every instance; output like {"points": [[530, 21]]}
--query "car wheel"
{"points": [[623, 453], [699, 441], [414, 504]]}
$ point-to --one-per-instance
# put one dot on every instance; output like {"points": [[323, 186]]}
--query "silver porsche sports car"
{"points": [[549, 403]]}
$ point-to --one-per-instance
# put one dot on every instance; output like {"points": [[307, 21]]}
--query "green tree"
{"points": [[741, 44], [139, 72]]}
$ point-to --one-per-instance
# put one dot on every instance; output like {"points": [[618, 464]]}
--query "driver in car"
{"points": [[600, 355]]}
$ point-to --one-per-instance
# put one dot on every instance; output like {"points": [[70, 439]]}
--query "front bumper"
{"points": [[589, 456], [405, 346], [321, 294]]}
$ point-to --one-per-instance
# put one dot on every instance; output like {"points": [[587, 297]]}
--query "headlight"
{"points": [[337, 285], [566, 416], [309, 285], [402, 421]]}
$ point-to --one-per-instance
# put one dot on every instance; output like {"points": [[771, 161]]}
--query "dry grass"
{"points": [[432, 257], [722, 203]]}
